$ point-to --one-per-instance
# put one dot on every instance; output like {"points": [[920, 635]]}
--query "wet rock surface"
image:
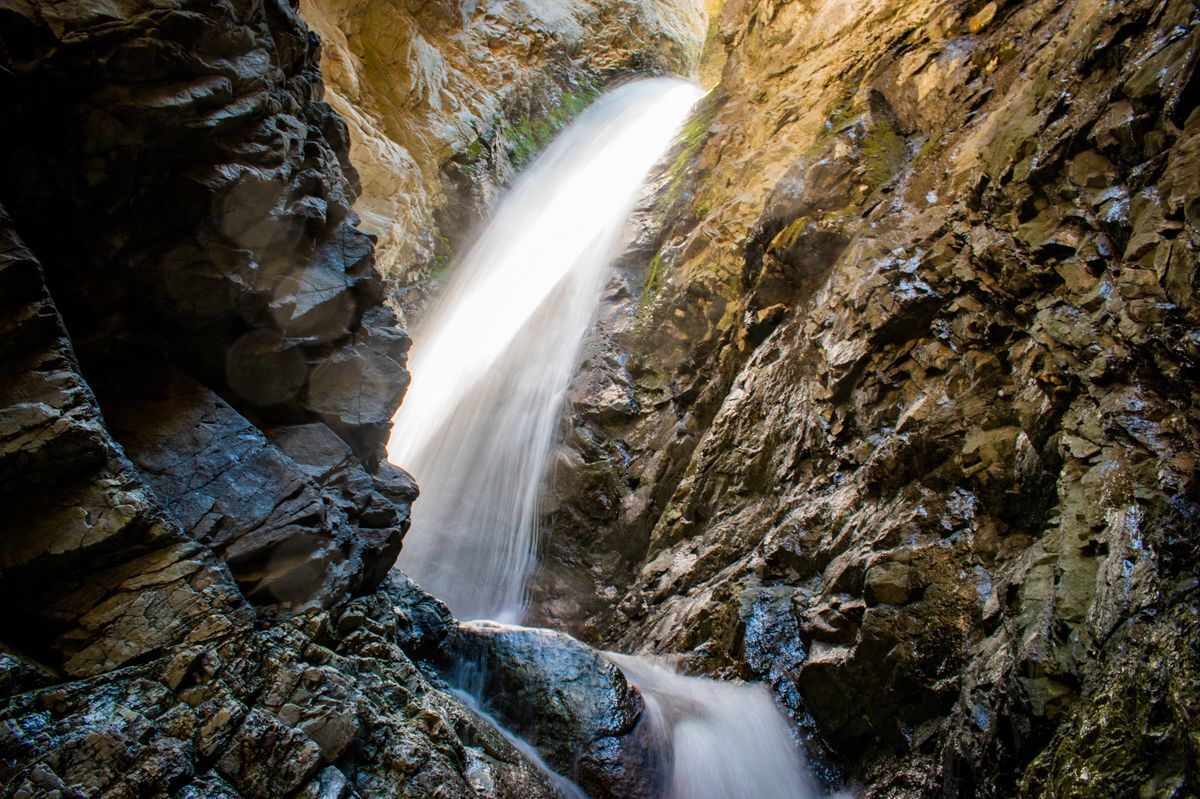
{"points": [[328, 704], [903, 359], [132, 663], [298, 521], [561, 696], [206, 300]]}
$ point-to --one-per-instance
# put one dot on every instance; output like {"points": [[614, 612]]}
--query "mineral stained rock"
{"points": [[892, 403]]}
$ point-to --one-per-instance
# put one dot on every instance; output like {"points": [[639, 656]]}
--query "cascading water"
{"points": [[723, 741], [493, 359], [490, 367]]}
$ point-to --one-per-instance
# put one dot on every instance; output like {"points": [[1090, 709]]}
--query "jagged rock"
{"points": [[292, 533], [423, 621], [187, 195], [910, 331], [225, 292], [327, 705], [892, 407], [216, 190], [1132, 718], [95, 573]]}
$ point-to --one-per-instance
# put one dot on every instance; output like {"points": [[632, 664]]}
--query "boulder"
{"points": [[565, 698]]}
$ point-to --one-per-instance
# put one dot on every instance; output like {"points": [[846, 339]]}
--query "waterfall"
{"points": [[566, 788], [493, 358], [490, 366]]}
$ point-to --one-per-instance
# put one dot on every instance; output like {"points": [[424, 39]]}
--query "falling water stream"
{"points": [[492, 360], [491, 363]]}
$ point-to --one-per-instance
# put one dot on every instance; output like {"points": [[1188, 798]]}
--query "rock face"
{"points": [[132, 664], [197, 380], [95, 572], [217, 291], [291, 510], [210, 188], [894, 406], [444, 99], [326, 705]]}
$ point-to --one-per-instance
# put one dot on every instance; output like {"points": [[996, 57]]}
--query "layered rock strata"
{"points": [[329, 704], [95, 572], [130, 659], [894, 404], [214, 287]]}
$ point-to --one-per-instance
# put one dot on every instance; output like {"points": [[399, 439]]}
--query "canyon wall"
{"points": [[892, 401], [445, 100], [198, 378]]}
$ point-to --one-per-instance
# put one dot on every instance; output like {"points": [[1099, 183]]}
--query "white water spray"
{"points": [[724, 741], [492, 361]]}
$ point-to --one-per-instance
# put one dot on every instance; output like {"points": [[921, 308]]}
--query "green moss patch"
{"points": [[529, 135], [653, 277], [883, 153]]}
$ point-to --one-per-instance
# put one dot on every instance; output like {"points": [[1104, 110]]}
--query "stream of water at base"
{"points": [[491, 363]]}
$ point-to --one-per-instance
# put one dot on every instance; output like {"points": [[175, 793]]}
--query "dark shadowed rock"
{"points": [[95, 572], [423, 621], [216, 188], [293, 532]]}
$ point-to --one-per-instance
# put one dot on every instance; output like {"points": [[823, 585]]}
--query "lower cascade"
{"points": [[725, 741], [490, 365]]}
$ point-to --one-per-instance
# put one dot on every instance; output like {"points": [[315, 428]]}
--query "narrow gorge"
{"points": [[691, 399]]}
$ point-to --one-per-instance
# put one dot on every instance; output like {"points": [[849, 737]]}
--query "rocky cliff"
{"points": [[892, 403], [198, 377], [444, 100]]}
